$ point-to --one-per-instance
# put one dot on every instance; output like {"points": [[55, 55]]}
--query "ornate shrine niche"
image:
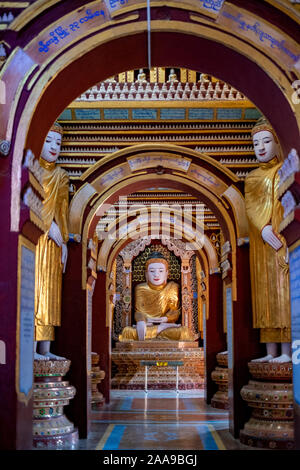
{"points": [[130, 266]]}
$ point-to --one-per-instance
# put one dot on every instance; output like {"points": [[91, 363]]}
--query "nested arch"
{"points": [[206, 255], [95, 204], [113, 246], [112, 177]]}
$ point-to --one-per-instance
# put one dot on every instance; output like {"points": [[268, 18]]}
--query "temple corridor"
{"points": [[159, 421]]}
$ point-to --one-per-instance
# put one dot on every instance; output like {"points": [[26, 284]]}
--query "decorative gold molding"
{"points": [[14, 4], [84, 194], [16, 101], [37, 221], [151, 178], [286, 7], [8, 61], [36, 185], [237, 203], [174, 150], [244, 103], [108, 244], [188, 5], [96, 30], [78, 205]]}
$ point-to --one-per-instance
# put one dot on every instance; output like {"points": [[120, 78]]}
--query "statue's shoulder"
{"points": [[62, 175], [62, 171], [252, 178], [252, 174], [173, 285]]}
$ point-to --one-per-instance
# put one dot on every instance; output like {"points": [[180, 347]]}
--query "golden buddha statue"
{"points": [[157, 306], [51, 250], [268, 249]]}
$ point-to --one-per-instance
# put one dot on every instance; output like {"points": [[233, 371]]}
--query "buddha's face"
{"points": [[265, 147], [51, 148], [157, 273]]}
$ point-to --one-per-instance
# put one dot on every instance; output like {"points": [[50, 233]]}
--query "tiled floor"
{"points": [[160, 420]]}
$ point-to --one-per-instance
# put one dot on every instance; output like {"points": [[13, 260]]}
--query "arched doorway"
{"points": [[111, 178]]}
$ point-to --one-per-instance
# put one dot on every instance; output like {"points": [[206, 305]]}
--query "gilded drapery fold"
{"points": [[269, 270], [156, 303], [48, 255]]}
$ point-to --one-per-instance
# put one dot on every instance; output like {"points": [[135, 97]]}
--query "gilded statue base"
{"points": [[51, 428], [270, 396], [96, 377], [220, 376], [130, 374]]}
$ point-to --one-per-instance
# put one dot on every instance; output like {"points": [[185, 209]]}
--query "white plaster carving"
{"points": [[2, 352], [290, 166], [288, 202], [33, 165], [32, 201], [226, 248]]}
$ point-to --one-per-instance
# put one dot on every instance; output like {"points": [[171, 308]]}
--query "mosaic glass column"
{"points": [[97, 377], [270, 395], [51, 428], [220, 376]]}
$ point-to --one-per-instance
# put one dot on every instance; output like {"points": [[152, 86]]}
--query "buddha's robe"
{"points": [[268, 267], [48, 266], [152, 303]]}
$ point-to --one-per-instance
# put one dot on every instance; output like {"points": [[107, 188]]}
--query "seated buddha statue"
{"points": [[157, 306]]}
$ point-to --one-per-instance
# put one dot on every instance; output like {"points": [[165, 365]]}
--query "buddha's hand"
{"points": [[269, 237], [163, 320], [28, 160], [55, 234], [64, 256]]}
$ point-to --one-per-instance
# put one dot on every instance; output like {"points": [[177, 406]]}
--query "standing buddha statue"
{"points": [[268, 249], [51, 250], [157, 306]]}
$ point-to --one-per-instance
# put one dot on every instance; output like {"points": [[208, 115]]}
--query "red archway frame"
{"points": [[215, 340], [168, 48]]}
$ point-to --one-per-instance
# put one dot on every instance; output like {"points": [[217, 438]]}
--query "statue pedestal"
{"points": [[51, 428], [270, 395], [130, 374], [96, 377], [220, 376]]}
